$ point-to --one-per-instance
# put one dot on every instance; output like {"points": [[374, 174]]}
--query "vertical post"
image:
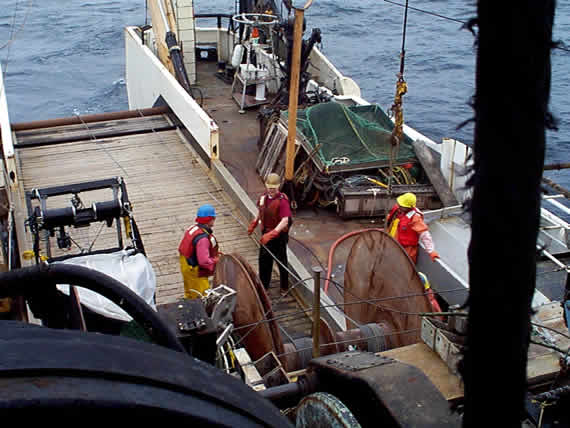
{"points": [[160, 27], [294, 93], [516, 38], [316, 310], [171, 17]]}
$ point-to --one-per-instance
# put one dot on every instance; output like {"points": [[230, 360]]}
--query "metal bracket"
{"points": [[356, 360]]}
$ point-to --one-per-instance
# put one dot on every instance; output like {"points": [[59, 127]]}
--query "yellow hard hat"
{"points": [[407, 200], [273, 181]]}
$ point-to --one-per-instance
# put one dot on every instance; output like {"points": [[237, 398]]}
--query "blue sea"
{"points": [[65, 58]]}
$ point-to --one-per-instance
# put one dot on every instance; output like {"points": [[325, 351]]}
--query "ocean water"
{"points": [[65, 58]]}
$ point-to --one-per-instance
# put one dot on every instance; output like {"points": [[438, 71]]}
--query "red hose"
{"points": [[331, 251], [433, 301]]}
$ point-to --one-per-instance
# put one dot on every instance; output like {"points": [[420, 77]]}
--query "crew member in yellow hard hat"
{"points": [[199, 253], [274, 215], [406, 225]]}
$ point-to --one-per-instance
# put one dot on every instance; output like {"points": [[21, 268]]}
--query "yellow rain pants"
{"points": [[194, 285]]}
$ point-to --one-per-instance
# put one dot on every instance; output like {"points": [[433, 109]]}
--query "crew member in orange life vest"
{"points": [[406, 225], [199, 253], [274, 215]]}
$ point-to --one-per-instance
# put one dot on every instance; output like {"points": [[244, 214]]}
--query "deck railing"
{"points": [[10, 185], [6, 132], [148, 81]]}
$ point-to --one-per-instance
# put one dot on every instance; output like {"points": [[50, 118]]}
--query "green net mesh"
{"points": [[350, 135]]}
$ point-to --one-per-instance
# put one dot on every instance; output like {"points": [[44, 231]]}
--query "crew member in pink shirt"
{"points": [[199, 253], [274, 215]]}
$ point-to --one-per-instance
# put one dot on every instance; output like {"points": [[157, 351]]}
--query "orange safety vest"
{"points": [[187, 247], [269, 212], [406, 235]]}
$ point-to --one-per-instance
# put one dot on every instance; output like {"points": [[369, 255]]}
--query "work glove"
{"points": [[252, 227], [434, 256], [269, 236]]}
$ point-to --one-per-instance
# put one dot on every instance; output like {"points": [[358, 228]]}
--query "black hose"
{"points": [[28, 280], [177, 61]]}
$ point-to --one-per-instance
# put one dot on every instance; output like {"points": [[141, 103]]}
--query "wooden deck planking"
{"points": [[165, 181], [146, 162], [91, 130]]}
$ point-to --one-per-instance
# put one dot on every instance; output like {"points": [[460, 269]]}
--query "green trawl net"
{"points": [[350, 136]]}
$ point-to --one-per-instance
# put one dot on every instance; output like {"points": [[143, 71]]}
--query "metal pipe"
{"points": [[556, 186], [126, 114], [289, 394], [556, 166], [558, 205], [316, 310], [553, 394], [92, 136], [554, 259], [281, 391]]}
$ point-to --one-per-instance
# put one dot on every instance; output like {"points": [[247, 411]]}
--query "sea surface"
{"points": [[61, 59]]}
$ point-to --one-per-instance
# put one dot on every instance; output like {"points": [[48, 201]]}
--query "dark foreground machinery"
{"points": [[63, 354], [99, 376], [50, 373], [186, 361]]}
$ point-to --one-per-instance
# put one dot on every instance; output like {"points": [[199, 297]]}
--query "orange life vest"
{"points": [[406, 235], [187, 247]]}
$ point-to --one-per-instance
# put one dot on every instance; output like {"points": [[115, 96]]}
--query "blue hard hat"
{"points": [[206, 210]]}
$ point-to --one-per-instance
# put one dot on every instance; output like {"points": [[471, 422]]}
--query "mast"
{"points": [[294, 95]]}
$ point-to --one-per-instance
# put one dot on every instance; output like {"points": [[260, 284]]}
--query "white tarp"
{"points": [[133, 270]]}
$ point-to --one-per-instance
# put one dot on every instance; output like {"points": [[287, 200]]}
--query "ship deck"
{"points": [[166, 182], [314, 230]]}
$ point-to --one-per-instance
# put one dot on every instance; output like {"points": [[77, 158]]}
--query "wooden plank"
{"points": [[166, 184], [425, 359], [550, 311], [434, 174], [160, 28], [250, 374], [542, 368], [91, 130]]}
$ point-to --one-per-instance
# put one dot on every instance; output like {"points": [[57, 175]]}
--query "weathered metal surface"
{"points": [[249, 315], [376, 336], [327, 338], [22, 126], [375, 201], [396, 394], [324, 410], [266, 304], [254, 316], [355, 361], [239, 133], [378, 268]]}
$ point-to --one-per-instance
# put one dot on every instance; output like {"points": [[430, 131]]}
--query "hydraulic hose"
{"points": [[28, 280], [333, 247], [176, 55]]}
